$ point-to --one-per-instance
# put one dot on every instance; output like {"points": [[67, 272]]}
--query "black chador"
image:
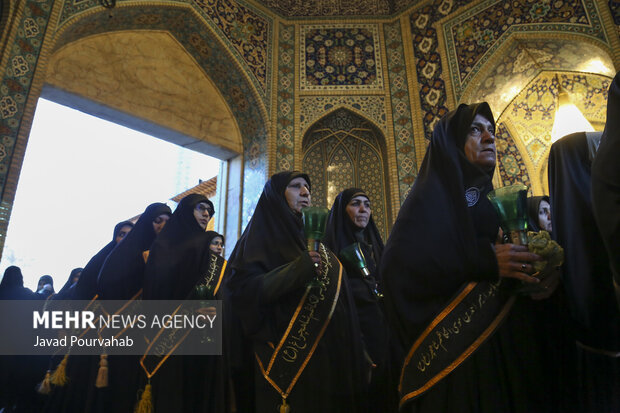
{"points": [[122, 273], [86, 287], [178, 261], [78, 393], [121, 278], [441, 252], [586, 274], [341, 233], [301, 327]]}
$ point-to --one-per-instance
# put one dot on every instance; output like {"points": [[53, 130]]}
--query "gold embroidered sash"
{"points": [[283, 365], [167, 340], [454, 334]]}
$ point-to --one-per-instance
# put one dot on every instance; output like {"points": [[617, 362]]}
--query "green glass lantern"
{"points": [[315, 220], [510, 202], [354, 256]]}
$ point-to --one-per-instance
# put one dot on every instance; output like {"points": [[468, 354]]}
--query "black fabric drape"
{"points": [[586, 275], [122, 273], [442, 239], [606, 182], [269, 269]]}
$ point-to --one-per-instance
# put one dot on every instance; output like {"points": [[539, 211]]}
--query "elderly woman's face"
{"points": [[544, 215], [297, 194], [359, 211], [480, 143]]}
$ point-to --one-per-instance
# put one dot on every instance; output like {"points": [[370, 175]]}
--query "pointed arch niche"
{"points": [[344, 150]]}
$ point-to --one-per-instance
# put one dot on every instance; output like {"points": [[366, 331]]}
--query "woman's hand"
{"points": [[316, 259], [548, 285], [514, 261]]}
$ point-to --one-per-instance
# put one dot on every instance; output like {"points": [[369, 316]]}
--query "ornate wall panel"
{"points": [[17, 77], [324, 8], [531, 115], [523, 60], [15, 82], [285, 123], [314, 107], [470, 37], [510, 162], [344, 150], [340, 57], [406, 156]]}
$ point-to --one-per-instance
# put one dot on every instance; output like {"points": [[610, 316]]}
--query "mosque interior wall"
{"points": [[257, 80]]}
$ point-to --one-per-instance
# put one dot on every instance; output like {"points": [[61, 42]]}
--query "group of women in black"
{"points": [[437, 320]]}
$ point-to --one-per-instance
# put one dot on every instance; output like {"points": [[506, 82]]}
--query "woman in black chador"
{"points": [[442, 251], [350, 221], [122, 273], [295, 308], [586, 274], [178, 260], [121, 278], [65, 291], [78, 394]]}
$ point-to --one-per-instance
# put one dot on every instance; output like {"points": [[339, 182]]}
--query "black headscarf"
{"points": [[179, 255], [586, 272], [438, 243], [606, 180], [122, 273], [274, 237], [342, 232], [86, 287], [213, 234], [533, 205], [12, 285], [63, 294], [273, 247]]}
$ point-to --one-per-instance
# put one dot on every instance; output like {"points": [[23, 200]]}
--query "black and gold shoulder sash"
{"points": [[283, 365], [455, 333], [166, 341]]}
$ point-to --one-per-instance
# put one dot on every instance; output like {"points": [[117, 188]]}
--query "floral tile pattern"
{"points": [[285, 124], [314, 107], [511, 166], [324, 8], [341, 57], [401, 109], [474, 35], [248, 31]]}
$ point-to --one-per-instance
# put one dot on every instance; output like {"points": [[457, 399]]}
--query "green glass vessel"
{"points": [[510, 202]]}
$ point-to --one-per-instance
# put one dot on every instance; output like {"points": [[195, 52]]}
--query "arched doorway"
{"points": [[344, 150]]}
